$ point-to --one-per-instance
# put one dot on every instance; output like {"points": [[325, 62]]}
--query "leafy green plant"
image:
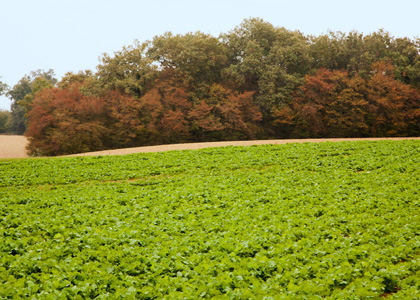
{"points": [[297, 221]]}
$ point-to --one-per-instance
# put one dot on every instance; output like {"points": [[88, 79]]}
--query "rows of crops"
{"points": [[296, 221]]}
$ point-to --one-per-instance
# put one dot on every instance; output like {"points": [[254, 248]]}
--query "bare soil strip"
{"points": [[14, 146], [192, 146]]}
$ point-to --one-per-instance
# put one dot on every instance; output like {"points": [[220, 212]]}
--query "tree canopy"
{"points": [[22, 95], [255, 81], [3, 87]]}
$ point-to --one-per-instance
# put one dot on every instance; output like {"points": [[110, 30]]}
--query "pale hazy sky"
{"points": [[70, 35]]}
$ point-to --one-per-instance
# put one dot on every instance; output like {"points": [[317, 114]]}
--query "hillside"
{"points": [[297, 221]]}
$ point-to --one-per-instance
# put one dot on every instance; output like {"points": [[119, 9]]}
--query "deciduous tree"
{"points": [[226, 114], [197, 57], [64, 121], [22, 94], [331, 104], [129, 71], [267, 60], [4, 118], [3, 87], [394, 107], [164, 110]]}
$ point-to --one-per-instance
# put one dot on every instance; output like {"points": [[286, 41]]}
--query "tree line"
{"points": [[257, 81]]}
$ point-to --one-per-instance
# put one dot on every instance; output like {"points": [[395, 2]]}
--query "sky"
{"points": [[72, 35]]}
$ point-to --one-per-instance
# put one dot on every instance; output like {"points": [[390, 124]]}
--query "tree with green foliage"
{"points": [[197, 57], [356, 53], [4, 115], [70, 78], [267, 60], [4, 120], [256, 81], [17, 121], [130, 70], [3, 87], [405, 58], [22, 95]]}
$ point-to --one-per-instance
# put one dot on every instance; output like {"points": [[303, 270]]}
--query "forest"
{"points": [[257, 81]]}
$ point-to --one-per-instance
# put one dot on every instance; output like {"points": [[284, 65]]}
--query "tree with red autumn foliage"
{"points": [[331, 104], [225, 114], [122, 119], [63, 121], [257, 81], [394, 107], [164, 111]]}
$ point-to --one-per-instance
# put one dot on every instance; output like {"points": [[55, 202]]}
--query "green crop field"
{"points": [[295, 221]]}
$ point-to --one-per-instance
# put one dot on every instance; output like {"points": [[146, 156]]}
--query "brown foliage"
{"points": [[164, 111], [170, 115], [329, 104], [333, 104], [226, 115], [64, 121], [122, 119], [394, 107]]}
